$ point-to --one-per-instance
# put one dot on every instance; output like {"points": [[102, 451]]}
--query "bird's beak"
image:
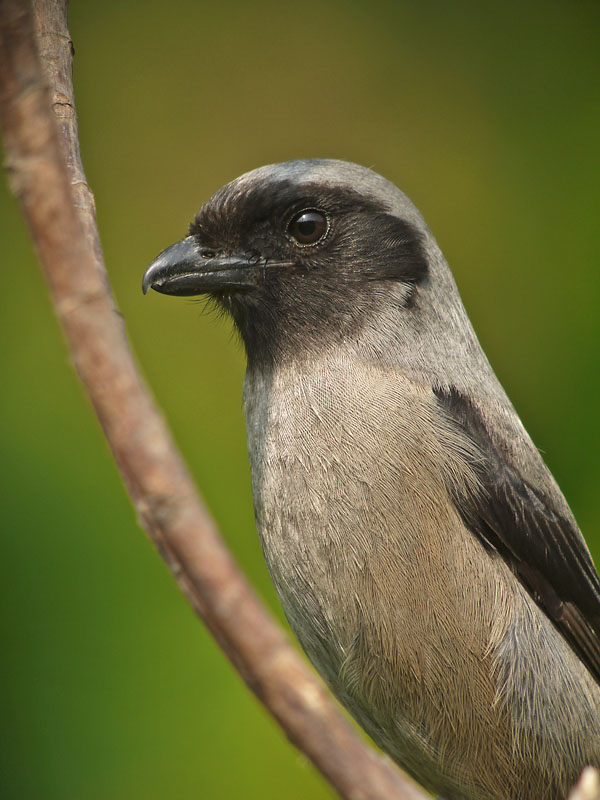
{"points": [[182, 270]]}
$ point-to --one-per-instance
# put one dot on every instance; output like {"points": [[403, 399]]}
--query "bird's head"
{"points": [[301, 254]]}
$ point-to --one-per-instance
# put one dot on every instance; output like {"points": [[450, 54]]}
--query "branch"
{"points": [[46, 175]]}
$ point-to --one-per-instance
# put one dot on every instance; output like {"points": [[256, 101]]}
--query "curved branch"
{"points": [[46, 175]]}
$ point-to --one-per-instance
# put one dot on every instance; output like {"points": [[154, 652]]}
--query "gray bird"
{"points": [[422, 551]]}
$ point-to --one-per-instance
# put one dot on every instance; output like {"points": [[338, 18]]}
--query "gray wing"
{"points": [[541, 543]]}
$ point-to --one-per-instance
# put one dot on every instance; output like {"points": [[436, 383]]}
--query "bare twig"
{"points": [[46, 175]]}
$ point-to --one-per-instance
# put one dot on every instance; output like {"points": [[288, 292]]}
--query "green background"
{"points": [[487, 115]]}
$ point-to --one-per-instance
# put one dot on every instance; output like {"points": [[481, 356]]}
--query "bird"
{"points": [[423, 553]]}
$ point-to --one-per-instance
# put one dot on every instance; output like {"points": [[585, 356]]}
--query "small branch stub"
{"points": [[588, 786]]}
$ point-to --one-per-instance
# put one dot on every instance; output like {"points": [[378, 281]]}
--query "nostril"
{"points": [[253, 256], [208, 253]]}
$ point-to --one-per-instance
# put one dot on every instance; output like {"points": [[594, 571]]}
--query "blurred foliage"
{"points": [[487, 115]]}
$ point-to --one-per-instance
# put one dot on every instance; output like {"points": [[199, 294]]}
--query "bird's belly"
{"points": [[357, 591], [413, 675]]}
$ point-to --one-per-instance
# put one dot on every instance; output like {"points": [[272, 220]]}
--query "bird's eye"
{"points": [[308, 226]]}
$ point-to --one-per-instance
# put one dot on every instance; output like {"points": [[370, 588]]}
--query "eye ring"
{"points": [[308, 227]]}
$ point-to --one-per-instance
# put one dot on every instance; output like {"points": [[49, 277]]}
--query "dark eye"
{"points": [[308, 227]]}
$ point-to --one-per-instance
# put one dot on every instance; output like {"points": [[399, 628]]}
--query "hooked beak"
{"points": [[183, 271]]}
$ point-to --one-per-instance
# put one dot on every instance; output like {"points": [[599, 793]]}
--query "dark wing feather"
{"points": [[541, 544]]}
